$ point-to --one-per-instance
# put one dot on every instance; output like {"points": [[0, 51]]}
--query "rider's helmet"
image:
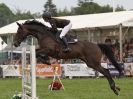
{"points": [[46, 15]]}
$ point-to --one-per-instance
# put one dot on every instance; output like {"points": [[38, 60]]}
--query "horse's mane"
{"points": [[34, 22]]}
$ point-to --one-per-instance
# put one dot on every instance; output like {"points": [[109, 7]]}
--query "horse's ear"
{"points": [[19, 25]]}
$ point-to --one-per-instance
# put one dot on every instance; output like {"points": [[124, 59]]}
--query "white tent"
{"points": [[101, 19]]}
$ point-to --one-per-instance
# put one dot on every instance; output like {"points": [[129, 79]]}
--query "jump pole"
{"points": [[29, 81]]}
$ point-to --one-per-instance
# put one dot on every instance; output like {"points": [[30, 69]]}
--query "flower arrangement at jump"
{"points": [[55, 85], [17, 96]]}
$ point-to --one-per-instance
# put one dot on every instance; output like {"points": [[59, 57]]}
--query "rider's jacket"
{"points": [[58, 23]]}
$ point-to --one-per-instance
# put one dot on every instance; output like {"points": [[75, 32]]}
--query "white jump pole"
{"points": [[23, 71], [33, 70], [29, 81]]}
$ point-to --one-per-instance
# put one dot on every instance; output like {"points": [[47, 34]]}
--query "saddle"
{"points": [[71, 39]]}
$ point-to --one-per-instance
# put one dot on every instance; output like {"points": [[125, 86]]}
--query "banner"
{"points": [[82, 70], [66, 70], [10, 70], [77, 70], [47, 70]]}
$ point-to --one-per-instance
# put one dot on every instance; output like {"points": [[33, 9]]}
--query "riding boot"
{"points": [[67, 49]]}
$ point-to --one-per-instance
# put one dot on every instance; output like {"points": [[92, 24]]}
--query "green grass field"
{"points": [[87, 88]]}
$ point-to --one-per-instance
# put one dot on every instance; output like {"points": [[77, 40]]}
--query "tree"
{"points": [[120, 8], [6, 15], [106, 8], [86, 7], [50, 7], [64, 12], [20, 15], [90, 7]]}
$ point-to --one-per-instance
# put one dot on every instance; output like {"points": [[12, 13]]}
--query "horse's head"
{"points": [[34, 28], [21, 34]]}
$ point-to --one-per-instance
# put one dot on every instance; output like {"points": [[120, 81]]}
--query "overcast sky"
{"points": [[37, 5]]}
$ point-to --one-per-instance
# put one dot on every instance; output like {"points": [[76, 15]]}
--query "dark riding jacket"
{"points": [[58, 23]]}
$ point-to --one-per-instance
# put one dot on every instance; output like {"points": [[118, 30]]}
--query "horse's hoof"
{"points": [[116, 90]]}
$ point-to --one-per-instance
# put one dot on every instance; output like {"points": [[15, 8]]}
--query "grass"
{"points": [[84, 88]]}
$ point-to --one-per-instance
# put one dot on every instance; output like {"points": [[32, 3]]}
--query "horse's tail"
{"points": [[107, 50]]}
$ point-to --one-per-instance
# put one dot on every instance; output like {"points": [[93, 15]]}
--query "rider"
{"points": [[59, 23]]}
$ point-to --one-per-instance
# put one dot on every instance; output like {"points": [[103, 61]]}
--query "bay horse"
{"points": [[89, 52]]}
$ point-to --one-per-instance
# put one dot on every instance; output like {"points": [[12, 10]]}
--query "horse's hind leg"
{"points": [[106, 73]]}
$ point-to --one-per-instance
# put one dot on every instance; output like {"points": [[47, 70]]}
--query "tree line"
{"points": [[83, 7]]}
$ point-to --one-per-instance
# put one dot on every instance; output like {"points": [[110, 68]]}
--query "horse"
{"points": [[88, 52]]}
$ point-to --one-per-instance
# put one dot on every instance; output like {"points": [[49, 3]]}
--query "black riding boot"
{"points": [[67, 49]]}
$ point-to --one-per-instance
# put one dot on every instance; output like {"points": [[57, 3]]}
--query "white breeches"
{"points": [[65, 30]]}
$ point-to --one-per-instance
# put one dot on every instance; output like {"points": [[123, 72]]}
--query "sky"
{"points": [[37, 5]]}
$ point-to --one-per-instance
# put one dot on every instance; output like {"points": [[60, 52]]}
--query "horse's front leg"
{"points": [[42, 56]]}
